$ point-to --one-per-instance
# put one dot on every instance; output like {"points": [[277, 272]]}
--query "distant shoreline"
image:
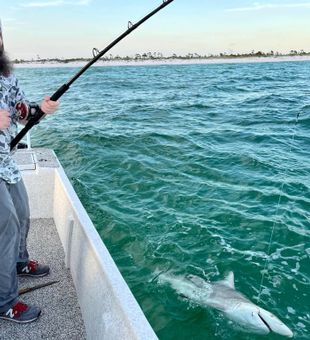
{"points": [[237, 60]]}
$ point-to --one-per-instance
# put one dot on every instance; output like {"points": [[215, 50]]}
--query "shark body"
{"points": [[222, 296]]}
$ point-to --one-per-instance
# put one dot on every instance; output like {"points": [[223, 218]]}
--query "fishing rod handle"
{"points": [[31, 123], [62, 90]]}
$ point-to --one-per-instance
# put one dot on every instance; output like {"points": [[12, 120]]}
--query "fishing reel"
{"points": [[27, 111]]}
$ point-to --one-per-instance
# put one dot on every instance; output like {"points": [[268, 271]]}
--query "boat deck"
{"points": [[61, 316]]}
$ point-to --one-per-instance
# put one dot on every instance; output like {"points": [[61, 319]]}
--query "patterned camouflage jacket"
{"points": [[10, 94]]}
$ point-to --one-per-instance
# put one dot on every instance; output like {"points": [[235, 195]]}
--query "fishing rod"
{"points": [[65, 87]]}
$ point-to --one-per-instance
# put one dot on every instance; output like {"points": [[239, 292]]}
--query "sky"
{"points": [[67, 28]]}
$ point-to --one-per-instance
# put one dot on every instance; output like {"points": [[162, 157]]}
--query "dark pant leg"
{"points": [[9, 246], [20, 200]]}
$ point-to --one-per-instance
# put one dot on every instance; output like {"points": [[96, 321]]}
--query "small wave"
{"points": [[300, 231], [263, 99]]}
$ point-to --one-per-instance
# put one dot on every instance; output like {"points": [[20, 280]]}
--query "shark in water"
{"points": [[222, 296]]}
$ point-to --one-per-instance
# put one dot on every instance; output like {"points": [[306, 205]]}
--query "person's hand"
{"points": [[48, 106], [5, 119]]}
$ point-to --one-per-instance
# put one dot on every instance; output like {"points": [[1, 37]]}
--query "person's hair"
{"points": [[5, 64]]}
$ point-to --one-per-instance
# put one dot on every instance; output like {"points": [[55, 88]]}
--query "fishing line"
{"points": [[277, 212]]}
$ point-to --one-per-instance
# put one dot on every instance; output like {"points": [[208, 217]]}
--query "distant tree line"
{"points": [[160, 56]]}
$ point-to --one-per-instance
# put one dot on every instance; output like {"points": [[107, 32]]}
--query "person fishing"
{"points": [[14, 207]]}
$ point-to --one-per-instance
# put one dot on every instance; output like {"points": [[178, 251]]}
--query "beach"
{"points": [[147, 62]]}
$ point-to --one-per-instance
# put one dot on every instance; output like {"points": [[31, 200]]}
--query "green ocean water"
{"points": [[192, 169]]}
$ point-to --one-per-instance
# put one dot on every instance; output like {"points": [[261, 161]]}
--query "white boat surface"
{"points": [[92, 300]]}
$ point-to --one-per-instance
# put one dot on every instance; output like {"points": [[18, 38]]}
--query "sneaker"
{"points": [[21, 313], [32, 268]]}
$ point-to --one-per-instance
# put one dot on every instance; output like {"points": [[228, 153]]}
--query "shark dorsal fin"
{"points": [[229, 280]]}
